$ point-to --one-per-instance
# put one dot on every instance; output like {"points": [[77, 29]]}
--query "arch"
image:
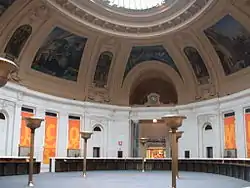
{"points": [[153, 92], [98, 126], [2, 116], [102, 69], [149, 70], [208, 127], [198, 65], [18, 40], [97, 129]]}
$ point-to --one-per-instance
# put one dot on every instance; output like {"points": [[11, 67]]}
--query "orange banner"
{"points": [[47, 153], [25, 131], [50, 138], [247, 122], [74, 134], [229, 133]]}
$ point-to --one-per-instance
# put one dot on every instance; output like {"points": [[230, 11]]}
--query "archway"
{"points": [[154, 71], [163, 90], [3, 138]]}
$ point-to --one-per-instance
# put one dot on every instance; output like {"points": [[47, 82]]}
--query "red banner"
{"points": [[229, 133], [74, 134], [247, 122], [25, 131], [50, 138]]}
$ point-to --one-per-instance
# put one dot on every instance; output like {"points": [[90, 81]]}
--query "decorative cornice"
{"points": [[135, 27]]}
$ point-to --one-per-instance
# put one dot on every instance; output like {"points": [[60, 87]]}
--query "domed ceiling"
{"points": [[129, 52], [123, 18]]}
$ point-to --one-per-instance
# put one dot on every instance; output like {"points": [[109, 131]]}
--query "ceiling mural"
{"points": [[142, 54], [231, 42], [5, 4], [198, 65], [102, 69], [17, 41], [60, 54]]}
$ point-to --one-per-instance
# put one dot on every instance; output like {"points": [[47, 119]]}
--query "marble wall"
{"points": [[115, 125]]}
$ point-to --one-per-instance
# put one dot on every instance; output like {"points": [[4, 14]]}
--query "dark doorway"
{"points": [[187, 154], [209, 152], [96, 151], [120, 154]]}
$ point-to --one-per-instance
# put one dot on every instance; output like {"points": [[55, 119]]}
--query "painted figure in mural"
{"points": [[197, 64], [4, 5], [18, 40], [231, 42], [140, 54], [102, 69], [60, 55]]}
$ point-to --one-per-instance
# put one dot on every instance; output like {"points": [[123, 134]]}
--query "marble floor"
{"points": [[123, 179]]}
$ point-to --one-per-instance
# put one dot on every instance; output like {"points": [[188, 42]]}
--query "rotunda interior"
{"points": [[114, 66]]}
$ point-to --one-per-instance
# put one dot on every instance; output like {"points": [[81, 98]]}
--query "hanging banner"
{"points": [[25, 131], [247, 122], [229, 133], [74, 134], [50, 138]]}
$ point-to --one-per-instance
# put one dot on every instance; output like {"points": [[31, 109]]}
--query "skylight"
{"points": [[135, 4]]}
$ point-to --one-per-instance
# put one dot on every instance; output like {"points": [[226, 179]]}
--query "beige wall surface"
{"points": [[43, 16]]}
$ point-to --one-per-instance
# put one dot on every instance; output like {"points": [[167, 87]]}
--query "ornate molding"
{"points": [[168, 22], [99, 95], [39, 12]]}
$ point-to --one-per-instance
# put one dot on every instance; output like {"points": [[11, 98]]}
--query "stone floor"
{"points": [[123, 179]]}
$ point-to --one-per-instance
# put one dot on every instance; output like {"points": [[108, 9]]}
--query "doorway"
{"points": [[96, 151], [209, 152]]}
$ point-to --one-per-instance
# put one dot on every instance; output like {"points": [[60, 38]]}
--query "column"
{"points": [[39, 135], [62, 134], [16, 131], [240, 132]]}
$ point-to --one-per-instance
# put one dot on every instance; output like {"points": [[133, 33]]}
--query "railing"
{"points": [[17, 166], [238, 168]]}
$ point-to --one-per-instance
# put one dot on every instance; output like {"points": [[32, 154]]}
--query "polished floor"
{"points": [[123, 179]]}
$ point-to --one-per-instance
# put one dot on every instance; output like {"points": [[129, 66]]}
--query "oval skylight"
{"points": [[135, 4]]}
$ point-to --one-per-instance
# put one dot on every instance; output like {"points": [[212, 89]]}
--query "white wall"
{"points": [[114, 121], [3, 130]]}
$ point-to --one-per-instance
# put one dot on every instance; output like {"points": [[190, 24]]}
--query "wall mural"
{"points": [[4, 5], [231, 42], [102, 69], [18, 40], [140, 54], [197, 64], [60, 54]]}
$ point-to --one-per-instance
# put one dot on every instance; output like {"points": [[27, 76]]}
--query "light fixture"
{"points": [[155, 120], [7, 67]]}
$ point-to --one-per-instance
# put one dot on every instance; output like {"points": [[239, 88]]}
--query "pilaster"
{"points": [[240, 132], [62, 134], [39, 135], [16, 130]]}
